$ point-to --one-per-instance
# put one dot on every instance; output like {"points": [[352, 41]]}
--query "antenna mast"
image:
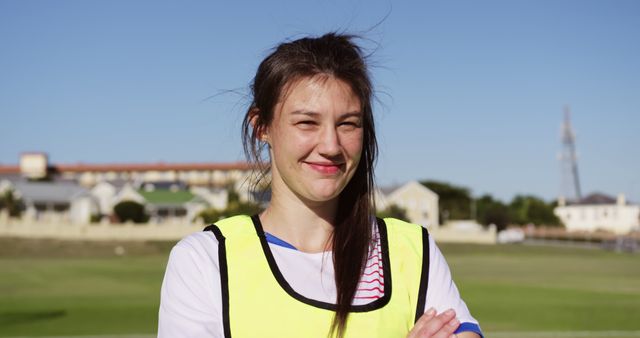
{"points": [[568, 159]]}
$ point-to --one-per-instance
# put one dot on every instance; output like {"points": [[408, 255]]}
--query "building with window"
{"points": [[77, 193], [419, 202], [599, 212]]}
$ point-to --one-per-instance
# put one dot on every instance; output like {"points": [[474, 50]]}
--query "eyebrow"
{"points": [[315, 114], [305, 112]]}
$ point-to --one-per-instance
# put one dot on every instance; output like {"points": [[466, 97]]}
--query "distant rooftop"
{"points": [[9, 169], [167, 197], [49, 192], [388, 189], [158, 166], [598, 198]]}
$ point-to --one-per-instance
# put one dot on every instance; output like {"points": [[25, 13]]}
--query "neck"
{"points": [[307, 225]]}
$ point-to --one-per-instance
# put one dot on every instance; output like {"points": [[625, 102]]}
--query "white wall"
{"points": [[81, 209], [67, 230], [217, 199], [617, 218], [420, 203], [104, 192]]}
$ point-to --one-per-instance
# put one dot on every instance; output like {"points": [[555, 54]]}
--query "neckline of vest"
{"points": [[277, 274]]}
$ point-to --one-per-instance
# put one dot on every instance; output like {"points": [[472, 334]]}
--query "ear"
{"points": [[261, 131]]}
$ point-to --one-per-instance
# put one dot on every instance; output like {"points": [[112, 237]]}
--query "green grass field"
{"points": [[524, 288], [52, 288]]}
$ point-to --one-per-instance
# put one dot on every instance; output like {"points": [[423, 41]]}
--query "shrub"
{"points": [[9, 201], [130, 211], [393, 211]]}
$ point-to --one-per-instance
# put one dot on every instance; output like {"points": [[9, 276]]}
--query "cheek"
{"points": [[300, 142], [353, 145], [290, 146]]}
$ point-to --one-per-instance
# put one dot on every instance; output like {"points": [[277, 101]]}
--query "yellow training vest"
{"points": [[258, 302]]}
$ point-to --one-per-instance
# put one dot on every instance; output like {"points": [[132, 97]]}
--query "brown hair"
{"points": [[333, 55]]}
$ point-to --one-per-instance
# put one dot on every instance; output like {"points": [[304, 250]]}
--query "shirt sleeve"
{"points": [[190, 299], [442, 293]]}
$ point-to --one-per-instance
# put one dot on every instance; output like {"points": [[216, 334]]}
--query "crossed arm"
{"points": [[432, 325]]}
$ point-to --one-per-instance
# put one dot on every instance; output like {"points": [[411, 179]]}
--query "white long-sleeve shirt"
{"points": [[191, 300]]}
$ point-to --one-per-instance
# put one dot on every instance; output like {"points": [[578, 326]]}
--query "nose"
{"points": [[329, 142]]}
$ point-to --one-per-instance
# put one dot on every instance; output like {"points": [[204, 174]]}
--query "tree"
{"points": [[454, 201], [209, 215], [394, 211], [130, 211], [12, 203], [492, 211], [527, 209], [234, 207]]}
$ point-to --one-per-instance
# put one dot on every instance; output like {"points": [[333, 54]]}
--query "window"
{"points": [[60, 207]]}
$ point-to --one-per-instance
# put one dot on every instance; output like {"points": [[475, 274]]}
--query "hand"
{"points": [[432, 326]]}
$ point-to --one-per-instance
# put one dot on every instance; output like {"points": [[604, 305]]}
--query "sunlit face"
{"points": [[315, 139]]}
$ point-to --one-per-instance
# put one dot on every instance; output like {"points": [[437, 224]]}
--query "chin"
{"points": [[325, 194]]}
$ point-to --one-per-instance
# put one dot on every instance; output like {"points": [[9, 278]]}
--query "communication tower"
{"points": [[568, 161]]}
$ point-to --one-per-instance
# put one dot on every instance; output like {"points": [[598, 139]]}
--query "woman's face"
{"points": [[315, 138]]}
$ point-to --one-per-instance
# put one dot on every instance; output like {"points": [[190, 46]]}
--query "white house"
{"points": [[56, 202], [599, 212], [128, 193], [418, 201], [216, 198], [5, 185], [105, 193]]}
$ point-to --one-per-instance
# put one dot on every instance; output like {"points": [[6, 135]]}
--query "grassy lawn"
{"points": [[59, 288], [42, 296], [524, 288]]}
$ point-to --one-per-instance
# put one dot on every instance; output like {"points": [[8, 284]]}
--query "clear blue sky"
{"points": [[471, 91]]}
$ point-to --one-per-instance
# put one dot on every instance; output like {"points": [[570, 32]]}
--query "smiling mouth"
{"points": [[325, 168]]}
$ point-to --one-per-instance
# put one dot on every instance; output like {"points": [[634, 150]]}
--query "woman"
{"points": [[316, 262]]}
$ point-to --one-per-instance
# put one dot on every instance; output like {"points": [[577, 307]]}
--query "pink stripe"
{"points": [[372, 272], [374, 263], [372, 289], [372, 281], [374, 278], [372, 297]]}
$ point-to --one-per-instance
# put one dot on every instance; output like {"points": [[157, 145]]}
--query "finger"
{"points": [[424, 319], [447, 330], [436, 324]]}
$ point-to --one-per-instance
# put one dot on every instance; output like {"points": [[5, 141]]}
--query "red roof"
{"points": [[9, 169]]}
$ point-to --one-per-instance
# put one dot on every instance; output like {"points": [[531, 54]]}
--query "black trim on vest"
{"points": [[424, 276], [224, 277], [386, 268]]}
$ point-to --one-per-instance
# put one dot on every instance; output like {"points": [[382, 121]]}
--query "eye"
{"points": [[349, 125], [306, 124]]}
